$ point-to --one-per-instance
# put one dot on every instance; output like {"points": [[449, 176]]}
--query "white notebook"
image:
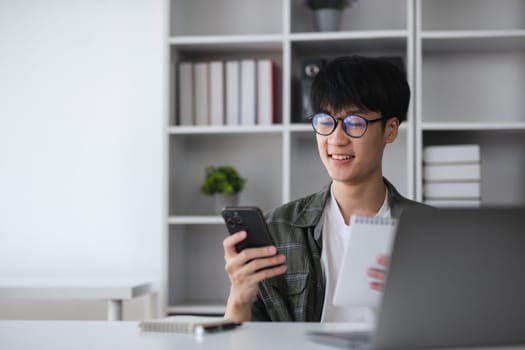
{"points": [[370, 236], [186, 324]]}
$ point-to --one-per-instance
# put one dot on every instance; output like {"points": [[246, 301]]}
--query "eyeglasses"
{"points": [[353, 125]]}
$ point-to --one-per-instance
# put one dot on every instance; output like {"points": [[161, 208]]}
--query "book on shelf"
{"points": [[248, 92], [454, 203], [201, 93], [452, 190], [216, 70], [187, 324], [451, 154], [233, 91], [452, 172], [185, 93], [266, 92]]}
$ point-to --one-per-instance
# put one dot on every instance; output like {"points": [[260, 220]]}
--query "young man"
{"points": [[359, 103]]}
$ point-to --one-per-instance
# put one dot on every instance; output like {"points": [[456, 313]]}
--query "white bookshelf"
{"points": [[440, 42], [470, 83]]}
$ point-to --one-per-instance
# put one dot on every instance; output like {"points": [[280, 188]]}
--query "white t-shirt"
{"points": [[335, 238]]}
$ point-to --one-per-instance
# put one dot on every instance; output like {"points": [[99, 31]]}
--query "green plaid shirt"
{"points": [[296, 227]]}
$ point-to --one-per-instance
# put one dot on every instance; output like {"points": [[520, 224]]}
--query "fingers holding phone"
{"points": [[250, 255]]}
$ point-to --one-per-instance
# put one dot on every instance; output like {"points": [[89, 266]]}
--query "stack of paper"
{"points": [[452, 175]]}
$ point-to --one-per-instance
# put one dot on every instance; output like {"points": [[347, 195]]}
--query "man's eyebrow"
{"points": [[351, 111]]}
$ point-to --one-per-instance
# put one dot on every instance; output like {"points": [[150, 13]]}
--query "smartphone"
{"points": [[251, 220]]}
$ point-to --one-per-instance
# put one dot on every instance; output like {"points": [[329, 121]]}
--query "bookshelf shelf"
{"points": [[519, 126], [195, 220], [364, 35], [224, 39], [196, 130]]}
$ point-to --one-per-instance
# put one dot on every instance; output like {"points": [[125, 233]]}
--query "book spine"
{"points": [[216, 93], [452, 172], [201, 94], [452, 190], [248, 92], [185, 94], [232, 92], [451, 154], [265, 94]]}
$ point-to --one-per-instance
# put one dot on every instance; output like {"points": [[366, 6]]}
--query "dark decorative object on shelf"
{"points": [[310, 68], [327, 13]]}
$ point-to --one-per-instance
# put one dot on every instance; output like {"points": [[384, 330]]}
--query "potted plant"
{"points": [[224, 183], [328, 13]]}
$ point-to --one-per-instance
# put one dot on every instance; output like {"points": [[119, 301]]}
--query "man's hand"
{"points": [[245, 270], [378, 274]]}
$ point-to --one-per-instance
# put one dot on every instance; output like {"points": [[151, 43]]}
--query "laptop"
{"points": [[455, 280]]}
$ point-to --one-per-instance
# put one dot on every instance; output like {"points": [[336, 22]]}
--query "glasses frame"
{"points": [[336, 121]]}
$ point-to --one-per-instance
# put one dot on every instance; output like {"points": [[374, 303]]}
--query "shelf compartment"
{"points": [[196, 273], [473, 87], [226, 17], [361, 15], [502, 161], [260, 164], [303, 51], [472, 14]]}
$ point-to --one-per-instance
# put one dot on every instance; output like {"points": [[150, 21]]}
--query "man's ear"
{"points": [[391, 129]]}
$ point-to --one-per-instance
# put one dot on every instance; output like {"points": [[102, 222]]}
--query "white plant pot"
{"points": [[222, 201]]}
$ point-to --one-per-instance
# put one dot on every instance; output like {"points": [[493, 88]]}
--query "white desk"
{"points": [[113, 292], [101, 335]]}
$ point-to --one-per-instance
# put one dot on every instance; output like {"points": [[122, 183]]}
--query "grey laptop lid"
{"points": [[455, 279]]}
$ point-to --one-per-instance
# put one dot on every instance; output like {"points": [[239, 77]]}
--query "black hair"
{"points": [[371, 84]]}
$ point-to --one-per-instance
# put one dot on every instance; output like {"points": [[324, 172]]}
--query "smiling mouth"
{"points": [[341, 156]]}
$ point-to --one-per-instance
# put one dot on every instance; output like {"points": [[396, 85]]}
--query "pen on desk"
{"points": [[216, 327]]}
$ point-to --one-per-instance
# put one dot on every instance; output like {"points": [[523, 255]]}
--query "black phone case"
{"points": [[251, 220]]}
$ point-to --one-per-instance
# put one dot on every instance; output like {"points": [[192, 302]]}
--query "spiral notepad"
{"points": [[369, 236], [181, 324]]}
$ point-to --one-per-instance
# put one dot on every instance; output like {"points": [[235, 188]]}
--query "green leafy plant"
{"points": [[328, 4], [222, 180]]}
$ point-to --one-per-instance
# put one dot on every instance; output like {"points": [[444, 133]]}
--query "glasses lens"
{"points": [[354, 125], [323, 123]]}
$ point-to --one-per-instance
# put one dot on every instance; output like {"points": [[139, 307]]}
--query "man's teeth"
{"points": [[341, 157]]}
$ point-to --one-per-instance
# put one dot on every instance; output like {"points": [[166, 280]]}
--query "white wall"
{"points": [[82, 114]]}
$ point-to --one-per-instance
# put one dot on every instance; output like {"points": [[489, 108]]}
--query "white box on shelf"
{"points": [[202, 108], [185, 93], [452, 190], [266, 92], [216, 93], [248, 92], [233, 98], [452, 172], [451, 154]]}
